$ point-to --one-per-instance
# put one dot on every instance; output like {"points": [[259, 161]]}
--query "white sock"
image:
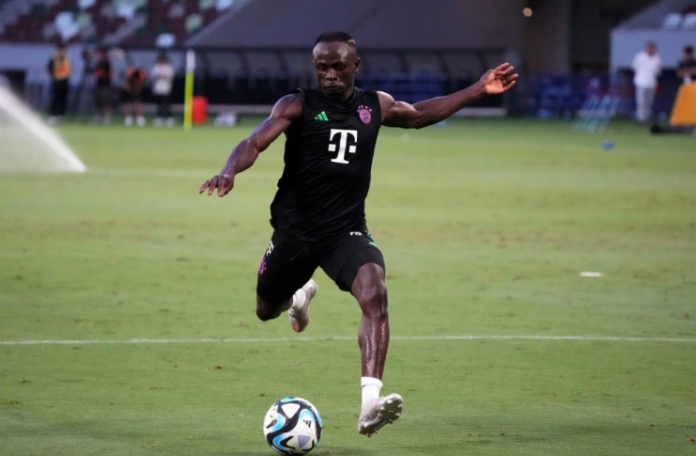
{"points": [[299, 297], [370, 388]]}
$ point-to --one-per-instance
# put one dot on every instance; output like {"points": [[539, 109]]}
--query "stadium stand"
{"points": [[247, 57], [261, 56], [115, 22], [686, 19], [671, 25], [665, 15]]}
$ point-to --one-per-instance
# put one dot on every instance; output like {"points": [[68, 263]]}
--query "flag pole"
{"points": [[188, 92]]}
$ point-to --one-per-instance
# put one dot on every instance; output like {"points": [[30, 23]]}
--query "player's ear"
{"points": [[357, 64]]}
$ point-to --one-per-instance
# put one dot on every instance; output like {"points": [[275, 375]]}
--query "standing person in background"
{"points": [[162, 76], [59, 70], [687, 67], [102, 88], [132, 96], [647, 66]]}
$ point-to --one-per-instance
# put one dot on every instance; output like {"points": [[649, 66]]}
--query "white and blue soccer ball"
{"points": [[292, 426]]}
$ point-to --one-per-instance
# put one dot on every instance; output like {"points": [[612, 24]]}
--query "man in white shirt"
{"points": [[162, 76], [647, 66]]}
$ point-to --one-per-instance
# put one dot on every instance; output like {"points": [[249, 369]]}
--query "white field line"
{"points": [[463, 337]]}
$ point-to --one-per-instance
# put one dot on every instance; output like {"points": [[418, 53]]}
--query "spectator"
{"points": [[59, 70], [102, 89], [132, 96], [162, 76], [647, 66], [687, 67]]}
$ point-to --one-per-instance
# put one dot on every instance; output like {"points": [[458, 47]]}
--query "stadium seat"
{"points": [[165, 40], [83, 20], [206, 4], [177, 11], [673, 21], [36, 21], [689, 22], [222, 5], [86, 4], [126, 10], [193, 23], [66, 26]]}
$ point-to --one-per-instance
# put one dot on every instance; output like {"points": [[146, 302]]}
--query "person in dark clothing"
{"points": [[132, 96], [59, 70], [687, 67], [102, 87], [318, 213]]}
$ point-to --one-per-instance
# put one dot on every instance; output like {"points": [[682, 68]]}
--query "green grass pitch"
{"points": [[485, 226]]}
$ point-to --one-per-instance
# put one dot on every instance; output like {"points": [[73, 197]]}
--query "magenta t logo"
{"points": [[365, 114]]}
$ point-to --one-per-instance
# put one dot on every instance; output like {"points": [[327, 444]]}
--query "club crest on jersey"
{"points": [[365, 114]]}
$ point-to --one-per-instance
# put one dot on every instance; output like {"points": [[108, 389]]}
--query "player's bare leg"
{"points": [[371, 292], [297, 307]]}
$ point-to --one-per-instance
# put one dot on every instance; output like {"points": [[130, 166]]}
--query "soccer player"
{"points": [[318, 213]]}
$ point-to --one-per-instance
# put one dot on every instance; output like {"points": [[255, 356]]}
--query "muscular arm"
{"points": [[247, 151], [428, 112]]}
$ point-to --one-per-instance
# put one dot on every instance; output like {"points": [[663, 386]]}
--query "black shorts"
{"points": [[102, 96], [131, 96], [288, 263]]}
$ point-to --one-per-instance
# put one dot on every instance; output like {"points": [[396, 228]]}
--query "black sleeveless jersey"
{"points": [[328, 160]]}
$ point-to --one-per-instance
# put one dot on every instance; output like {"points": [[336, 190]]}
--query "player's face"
{"points": [[336, 65]]}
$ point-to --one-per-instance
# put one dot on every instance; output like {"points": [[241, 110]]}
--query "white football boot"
{"points": [[378, 413], [299, 311]]}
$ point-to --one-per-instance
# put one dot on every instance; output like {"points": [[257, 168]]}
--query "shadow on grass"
{"points": [[333, 451]]}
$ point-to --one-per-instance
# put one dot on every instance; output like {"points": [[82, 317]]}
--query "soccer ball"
{"points": [[292, 426]]}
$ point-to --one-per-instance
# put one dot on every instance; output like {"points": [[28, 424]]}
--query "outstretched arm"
{"points": [[247, 151], [428, 112]]}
